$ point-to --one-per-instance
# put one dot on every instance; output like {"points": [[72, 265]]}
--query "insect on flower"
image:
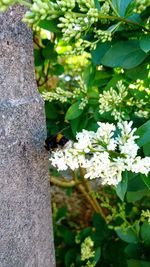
{"points": [[55, 141]]}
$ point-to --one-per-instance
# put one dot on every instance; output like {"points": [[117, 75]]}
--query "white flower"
{"points": [[71, 158], [105, 129], [141, 165], [58, 160], [86, 20], [112, 144], [126, 129], [76, 27], [102, 154], [84, 139], [130, 148]]}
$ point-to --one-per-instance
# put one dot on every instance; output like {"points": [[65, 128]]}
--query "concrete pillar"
{"points": [[26, 238]]}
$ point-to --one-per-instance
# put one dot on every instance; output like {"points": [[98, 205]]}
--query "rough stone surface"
{"points": [[26, 238]]}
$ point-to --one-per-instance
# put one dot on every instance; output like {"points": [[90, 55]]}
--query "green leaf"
{"points": [[98, 222], [146, 149], [135, 182], [125, 54], [61, 213], [57, 69], [83, 234], [70, 257], [135, 196], [97, 4], [121, 6], [145, 233], [73, 112], [121, 188], [89, 75], [38, 58], [145, 43], [146, 180], [137, 263], [139, 72], [79, 123], [116, 4], [49, 25], [50, 110], [132, 250], [99, 52], [130, 8], [69, 237], [128, 235], [97, 255], [144, 134], [49, 53]]}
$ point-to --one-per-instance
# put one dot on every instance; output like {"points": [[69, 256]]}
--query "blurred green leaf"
{"points": [[97, 4], [121, 6], [137, 263], [144, 134], [136, 196], [61, 213], [97, 254], [132, 250], [50, 110], [125, 54], [98, 222], [79, 123], [146, 149], [145, 43], [128, 235], [146, 179], [145, 233], [121, 188], [139, 72], [99, 52], [38, 58], [73, 112], [49, 25], [88, 75], [70, 257]]}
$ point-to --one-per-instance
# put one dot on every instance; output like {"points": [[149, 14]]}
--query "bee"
{"points": [[55, 141]]}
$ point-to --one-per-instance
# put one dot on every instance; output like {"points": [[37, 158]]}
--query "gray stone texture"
{"points": [[26, 238]]}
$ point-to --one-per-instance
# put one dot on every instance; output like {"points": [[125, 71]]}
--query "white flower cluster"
{"points": [[121, 101], [103, 36], [41, 10], [87, 249], [73, 25], [84, 102], [103, 154], [59, 94], [141, 5], [146, 215], [110, 100], [85, 5], [66, 5]]}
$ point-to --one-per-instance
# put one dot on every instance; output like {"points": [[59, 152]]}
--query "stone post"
{"points": [[26, 238]]}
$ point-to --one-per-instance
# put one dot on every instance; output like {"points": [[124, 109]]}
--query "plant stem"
{"points": [[81, 189], [117, 17], [92, 197], [101, 16], [62, 182]]}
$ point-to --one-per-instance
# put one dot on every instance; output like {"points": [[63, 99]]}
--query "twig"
{"points": [[62, 182]]}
